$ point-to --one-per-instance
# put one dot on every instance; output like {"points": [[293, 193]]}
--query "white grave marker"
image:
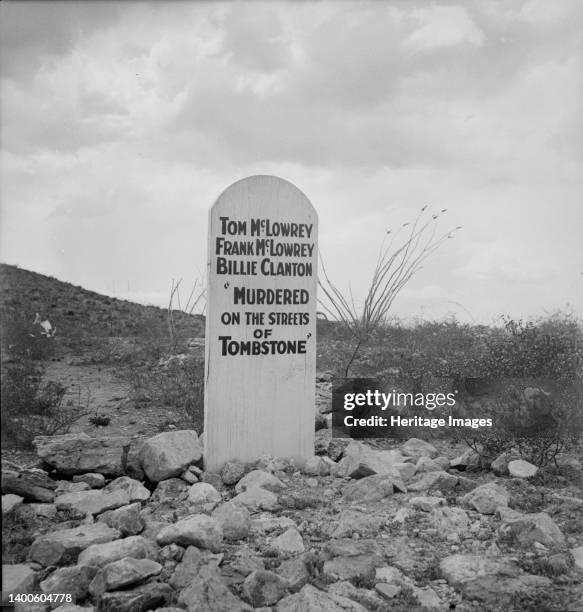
{"points": [[261, 323]]}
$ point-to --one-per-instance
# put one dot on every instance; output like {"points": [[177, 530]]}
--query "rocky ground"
{"points": [[122, 523]]}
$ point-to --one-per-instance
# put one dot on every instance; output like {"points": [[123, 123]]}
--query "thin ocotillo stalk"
{"points": [[393, 270]]}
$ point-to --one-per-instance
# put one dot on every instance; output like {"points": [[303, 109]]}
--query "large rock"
{"points": [[406, 470], [417, 448], [16, 579], [190, 565], [172, 491], [233, 471], [468, 460], [361, 460], [234, 519], [373, 488], [150, 596], [433, 480], [134, 489], [319, 466], [203, 493], [262, 479], [527, 529], [197, 530], [10, 501], [488, 579], [521, 469], [30, 484], [311, 599], [263, 588], [127, 519], [427, 598], [74, 580], [169, 453], [63, 547], [294, 572], [123, 573], [449, 520], [500, 465], [486, 498], [289, 542], [207, 591], [425, 464], [94, 501], [78, 453], [99, 555], [257, 498]]}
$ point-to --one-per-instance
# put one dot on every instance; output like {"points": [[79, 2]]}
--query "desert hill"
{"points": [[76, 311]]}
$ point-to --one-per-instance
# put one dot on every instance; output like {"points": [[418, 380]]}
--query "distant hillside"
{"points": [[76, 311]]}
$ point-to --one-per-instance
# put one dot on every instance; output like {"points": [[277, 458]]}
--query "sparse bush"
{"points": [[535, 386], [31, 408], [179, 384], [399, 259], [18, 533], [100, 420], [21, 339]]}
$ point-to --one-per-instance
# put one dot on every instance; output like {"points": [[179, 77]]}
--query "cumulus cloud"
{"points": [[122, 122]]}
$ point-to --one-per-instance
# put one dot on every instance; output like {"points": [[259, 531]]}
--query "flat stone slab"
{"points": [[30, 484], [64, 546], [123, 573], [149, 596], [92, 502], [78, 453], [99, 555]]}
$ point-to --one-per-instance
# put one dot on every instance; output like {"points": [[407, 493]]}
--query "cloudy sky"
{"points": [[122, 122]]}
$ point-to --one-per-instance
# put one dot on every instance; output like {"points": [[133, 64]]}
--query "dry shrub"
{"points": [[32, 408]]}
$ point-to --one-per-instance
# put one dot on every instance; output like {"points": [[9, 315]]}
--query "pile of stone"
{"points": [[139, 525]]}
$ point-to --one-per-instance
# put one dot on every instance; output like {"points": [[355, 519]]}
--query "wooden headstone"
{"points": [[260, 324]]}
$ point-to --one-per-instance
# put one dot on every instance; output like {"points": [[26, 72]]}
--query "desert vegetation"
{"points": [[394, 550]]}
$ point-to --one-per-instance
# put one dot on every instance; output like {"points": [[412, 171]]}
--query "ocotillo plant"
{"points": [[194, 299], [400, 257]]}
